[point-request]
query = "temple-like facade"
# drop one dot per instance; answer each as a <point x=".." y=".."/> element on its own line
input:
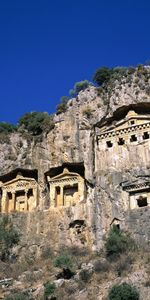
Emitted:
<point x="18" y="193"/>
<point x="138" y="193"/>
<point x="114" y="142"/>
<point x="66" y="189"/>
<point x="65" y="185"/>
<point x="134" y="127"/>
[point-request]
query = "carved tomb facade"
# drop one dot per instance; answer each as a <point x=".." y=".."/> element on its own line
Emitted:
<point x="138" y="193"/>
<point x="18" y="194"/>
<point x="124" y="144"/>
<point x="66" y="189"/>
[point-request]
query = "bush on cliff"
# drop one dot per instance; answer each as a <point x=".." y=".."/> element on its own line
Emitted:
<point x="8" y="237"/>
<point x="78" y="87"/>
<point x="49" y="289"/>
<point x="63" y="261"/>
<point x="102" y="75"/>
<point x="7" y="127"/>
<point x="62" y="106"/>
<point x="17" y="296"/>
<point x="117" y="243"/>
<point x="123" y="291"/>
<point x="36" y="122"/>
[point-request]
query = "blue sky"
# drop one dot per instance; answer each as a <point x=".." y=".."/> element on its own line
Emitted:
<point x="48" y="45"/>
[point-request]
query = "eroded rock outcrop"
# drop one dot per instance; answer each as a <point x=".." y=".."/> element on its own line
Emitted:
<point x="75" y="139"/>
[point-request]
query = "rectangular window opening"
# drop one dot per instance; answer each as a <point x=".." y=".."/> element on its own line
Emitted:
<point x="132" y="122"/>
<point x="109" y="144"/>
<point x="9" y="194"/>
<point x="133" y="138"/>
<point x="142" y="202"/>
<point x="30" y="193"/>
<point x="58" y="190"/>
<point x="145" y="136"/>
<point x="121" y="141"/>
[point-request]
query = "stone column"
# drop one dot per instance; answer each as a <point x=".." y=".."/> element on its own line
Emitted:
<point x="35" y="197"/>
<point x="62" y="196"/>
<point x="133" y="203"/>
<point x="26" y="201"/>
<point x="52" y="195"/>
<point x="81" y="189"/>
<point x="13" y="200"/>
<point x="148" y="198"/>
<point x="3" y="200"/>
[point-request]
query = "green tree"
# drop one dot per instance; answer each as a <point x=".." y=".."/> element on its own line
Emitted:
<point x="63" y="261"/>
<point x="36" y="122"/>
<point x="78" y="87"/>
<point x="102" y="75"/>
<point x="49" y="289"/>
<point x="123" y="291"/>
<point x="117" y="242"/>
<point x="7" y="127"/>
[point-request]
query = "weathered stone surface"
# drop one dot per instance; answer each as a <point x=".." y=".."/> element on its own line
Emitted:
<point x="109" y="172"/>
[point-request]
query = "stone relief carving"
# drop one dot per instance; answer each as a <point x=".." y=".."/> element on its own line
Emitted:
<point x="66" y="189"/>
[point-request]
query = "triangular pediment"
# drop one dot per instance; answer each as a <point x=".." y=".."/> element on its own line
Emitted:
<point x="17" y="179"/>
<point x="64" y="176"/>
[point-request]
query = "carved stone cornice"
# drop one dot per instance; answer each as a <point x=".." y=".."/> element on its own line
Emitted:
<point x="137" y="186"/>
<point x="123" y="131"/>
<point x="19" y="183"/>
<point x="64" y="180"/>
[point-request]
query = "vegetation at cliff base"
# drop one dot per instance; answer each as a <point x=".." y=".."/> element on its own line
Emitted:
<point x="8" y="237"/>
<point x="117" y="242"/>
<point x="17" y="296"/>
<point x="63" y="261"/>
<point x="123" y="291"/>
<point x="49" y="289"/>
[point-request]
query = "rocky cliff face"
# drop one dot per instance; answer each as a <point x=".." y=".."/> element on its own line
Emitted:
<point x="73" y="140"/>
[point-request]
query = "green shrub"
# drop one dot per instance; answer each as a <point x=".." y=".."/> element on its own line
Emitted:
<point x="8" y="237"/>
<point x="102" y="75"/>
<point x="7" y="127"/>
<point x="17" y="296"/>
<point x="49" y="289"/>
<point x="78" y="87"/>
<point x="119" y="72"/>
<point x="123" y="291"/>
<point x="36" y="122"/>
<point x="62" y="106"/>
<point x="63" y="261"/>
<point x="117" y="243"/>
